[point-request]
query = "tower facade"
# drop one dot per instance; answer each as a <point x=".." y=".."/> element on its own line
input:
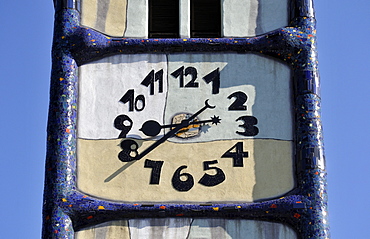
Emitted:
<point x="185" y="119"/>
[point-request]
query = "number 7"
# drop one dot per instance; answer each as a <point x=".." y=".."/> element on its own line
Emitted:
<point x="156" y="167"/>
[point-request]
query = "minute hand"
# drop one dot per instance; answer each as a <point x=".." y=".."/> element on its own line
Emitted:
<point x="183" y="124"/>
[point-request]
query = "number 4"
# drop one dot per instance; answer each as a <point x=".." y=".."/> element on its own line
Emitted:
<point x="237" y="156"/>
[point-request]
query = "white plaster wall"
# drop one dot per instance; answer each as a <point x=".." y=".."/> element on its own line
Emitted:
<point x="159" y="228"/>
<point x="184" y="18"/>
<point x="188" y="228"/>
<point x="265" y="81"/>
<point x="102" y="85"/>
<point x="239" y="229"/>
<point x="246" y="18"/>
<point x="137" y="19"/>
<point x="239" y="17"/>
<point x="272" y="14"/>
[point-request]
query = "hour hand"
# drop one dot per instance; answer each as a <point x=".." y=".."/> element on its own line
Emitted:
<point x="152" y="127"/>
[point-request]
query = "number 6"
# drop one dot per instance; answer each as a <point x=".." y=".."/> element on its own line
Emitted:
<point x="180" y="185"/>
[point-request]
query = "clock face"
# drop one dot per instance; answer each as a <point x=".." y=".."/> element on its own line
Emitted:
<point x="185" y="128"/>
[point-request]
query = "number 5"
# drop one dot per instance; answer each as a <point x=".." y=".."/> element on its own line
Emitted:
<point x="212" y="180"/>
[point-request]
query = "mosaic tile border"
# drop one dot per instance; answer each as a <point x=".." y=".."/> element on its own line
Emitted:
<point x="66" y="209"/>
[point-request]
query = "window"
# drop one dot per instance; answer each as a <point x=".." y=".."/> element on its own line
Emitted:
<point x="163" y="18"/>
<point x="205" y="18"/>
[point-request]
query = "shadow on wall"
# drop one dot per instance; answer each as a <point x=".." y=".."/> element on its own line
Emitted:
<point x="106" y="16"/>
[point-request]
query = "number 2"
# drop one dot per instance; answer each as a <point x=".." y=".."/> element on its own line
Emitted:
<point x="240" y="99"/>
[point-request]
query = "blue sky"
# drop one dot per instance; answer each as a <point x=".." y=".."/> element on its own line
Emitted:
<point x="25" y="43"/>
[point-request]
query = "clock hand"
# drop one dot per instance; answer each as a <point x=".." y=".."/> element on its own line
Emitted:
<point x="152" y="127"/>
<point x="145" y="152"/>
<point x="201" y="110"/>
<point x="121" y="169"/>
<point x="183" y="124"/>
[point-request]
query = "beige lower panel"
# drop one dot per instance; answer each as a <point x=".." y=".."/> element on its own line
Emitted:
<point x="113" y="23"/>
<point x="89" y="12"/>
<point x="116" y="19"/>
<point x="108" y="230"/>
<point x="267" y="172"/>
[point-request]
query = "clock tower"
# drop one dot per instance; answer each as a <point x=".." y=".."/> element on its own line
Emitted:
<point x="185" y="119"/>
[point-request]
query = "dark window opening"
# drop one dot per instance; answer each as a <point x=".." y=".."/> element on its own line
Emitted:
<point x="164" y="19"/>
<point x="205" y="18"/>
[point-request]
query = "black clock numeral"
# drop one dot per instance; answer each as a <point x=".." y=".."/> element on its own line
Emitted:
<point x="237" y="156"/>
<point x="249" y="126"/>
<point x="138" y="102"/>
<point x="183" y="182"/>
<point x="154" y="77"/>
<point x="213" y="77"/>
<point x="179" y="73"/>
<point x="194" y="74"/>
<point x="129" y="150"/>
<point x="178" y="183"/>
<point x="123" y="123"/>
<point x="240" y="99"/>
<point x="212" y="180"/>
<point x="156" y="167"/>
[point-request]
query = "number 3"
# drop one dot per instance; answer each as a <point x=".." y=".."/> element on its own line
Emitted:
<point x="249" y="128"/>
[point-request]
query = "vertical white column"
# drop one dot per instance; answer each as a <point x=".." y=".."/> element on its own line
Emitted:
<point x="239" y="18"/>
<point x="184" y="18"/>
<point x="137" y="19"/>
